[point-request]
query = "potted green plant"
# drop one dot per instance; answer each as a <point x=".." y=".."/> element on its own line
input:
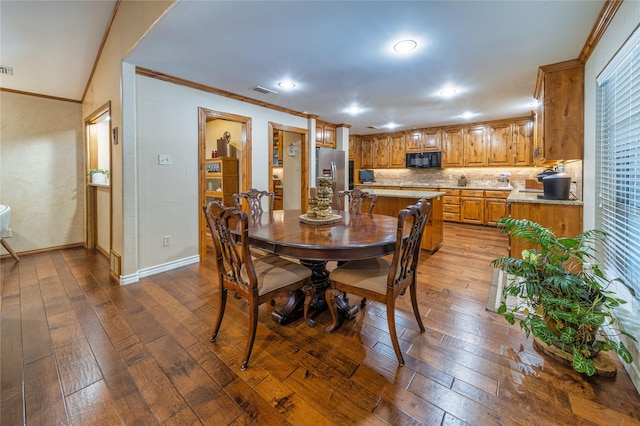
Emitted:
<point x="562" y="296"/>
<point x="98" y="175"/>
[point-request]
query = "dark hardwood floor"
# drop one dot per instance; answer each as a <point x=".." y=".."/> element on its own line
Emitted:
<point x="76" y="348"/>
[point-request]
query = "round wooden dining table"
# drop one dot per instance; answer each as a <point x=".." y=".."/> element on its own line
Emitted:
<point x="356" y="236"/>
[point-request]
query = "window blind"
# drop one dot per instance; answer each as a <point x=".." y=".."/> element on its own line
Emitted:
<point x="619" y="163"/>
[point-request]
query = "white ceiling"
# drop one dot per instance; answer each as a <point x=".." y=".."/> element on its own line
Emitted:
<point x="338" y="52"/>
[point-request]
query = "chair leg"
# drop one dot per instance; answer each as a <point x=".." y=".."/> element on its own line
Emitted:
<point x="10" y="250"/>
<point x="309" y="292"/>
<point x="414" y="303"/>
<point x="253" y="325"/>
<point x="329" y="297"/>
<point x="391" y="321"/>
<point x="221" y="306"/>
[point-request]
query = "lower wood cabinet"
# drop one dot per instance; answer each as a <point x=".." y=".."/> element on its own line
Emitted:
<point x="451" y="205"/>
<point x="495" y="206"/>
<point x="472" y="206"/>
<point x="564" y="220"/>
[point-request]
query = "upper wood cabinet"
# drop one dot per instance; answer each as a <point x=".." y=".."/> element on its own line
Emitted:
<point x="381" y="152"/>
<point x="366" y="152"/>
<point x="452" y="148"/>
<point x="325" y="135"/>
<point x="500" y="144"/>
<point x="510" y="143"/>
<point x="560" y="116"/>
<point x="522" y="143"/>
<point x="397" y="151"/>
<point x="354" y="147"/>
<point x="423" y="140"/>
<point x="475" y="146"/>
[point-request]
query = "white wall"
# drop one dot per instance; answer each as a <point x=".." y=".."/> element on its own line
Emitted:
<point x="166" y="121"/>
<point x="622" y="26"/>
<point x="624" y="22"/>
<point x="41" y="171"/>
<point x="292" y="174"/>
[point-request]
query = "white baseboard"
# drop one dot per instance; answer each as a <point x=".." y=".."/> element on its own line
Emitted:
<point x="134" y="278"/>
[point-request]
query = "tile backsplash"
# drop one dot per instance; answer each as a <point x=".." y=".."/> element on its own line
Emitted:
<point x="480" y="176"/>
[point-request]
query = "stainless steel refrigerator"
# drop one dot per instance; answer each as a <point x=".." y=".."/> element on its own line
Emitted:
<point x="331" y="162"/>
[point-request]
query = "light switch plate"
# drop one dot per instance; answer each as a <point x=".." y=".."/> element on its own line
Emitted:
<point x="164" y="159"/>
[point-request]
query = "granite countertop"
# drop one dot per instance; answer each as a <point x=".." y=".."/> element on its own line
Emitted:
<point x="404" y="193"/>
<point x="516" y="195"/>
<point x="530" y="196"/>
<point x="430" y="187"/>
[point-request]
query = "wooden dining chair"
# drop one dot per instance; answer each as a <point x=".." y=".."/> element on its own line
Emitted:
<point x="355" y="199"/>
<point x="381" y="279"/>
<point x="254" y="280"/>
<point x="254" y="199"/>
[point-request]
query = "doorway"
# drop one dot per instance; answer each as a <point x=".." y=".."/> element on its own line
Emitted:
<point x="288" y="166"/>
<point x="98" y="133"/>
<point x="233" y="133"/>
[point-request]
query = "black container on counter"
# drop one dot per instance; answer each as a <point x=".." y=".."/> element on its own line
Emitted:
<point x="557" y="186"/>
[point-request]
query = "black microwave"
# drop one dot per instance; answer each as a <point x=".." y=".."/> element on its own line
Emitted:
<point x="423" y="160"/>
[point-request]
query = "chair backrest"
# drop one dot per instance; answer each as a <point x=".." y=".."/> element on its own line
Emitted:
<point x="355" y="199"/>
<point x="405" y="258"/>
<point x="254" y="198"/>
<point x="232" y="257"/>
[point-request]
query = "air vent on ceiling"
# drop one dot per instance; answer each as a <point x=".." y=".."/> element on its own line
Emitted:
<point x="373" y="127"/>
<point x="263" y="90"/>
<point x="6" y="70"/>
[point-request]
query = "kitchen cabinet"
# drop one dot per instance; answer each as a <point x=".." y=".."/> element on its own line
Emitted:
<point x="472" y="206"/>
<point x="380" y="152"/>
<point x="366" y="152"/>
<point x="500" y="143"/>
<point x="522" y="142"/>
<point x="509" y="143"/>
<point x="495" y="206"/>
<point x="397" y="156"/>
<point x="451" y="205"/>
<point x="221" y="179"/>
<point x="354" y="147"/>
<point x="564" y="220"/>
<point x="475" y="146"/>
<point x="423" y="140"/>
<point x="560" y="116"/>
<point x="325" y="135"/>
<point x="452" y="147"/>
<point x="464" y="146"/>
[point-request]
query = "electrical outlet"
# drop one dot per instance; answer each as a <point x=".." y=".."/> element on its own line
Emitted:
<point x="164" y="159"/>
<point x="166" y="240"/>
<point x="8" y="233"/>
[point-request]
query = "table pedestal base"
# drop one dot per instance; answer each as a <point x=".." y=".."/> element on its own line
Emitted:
<point x="310" y="301"/>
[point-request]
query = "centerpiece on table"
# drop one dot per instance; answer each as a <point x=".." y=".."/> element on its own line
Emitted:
<point x="319" y="211"/>
<point x="562" y="298"/>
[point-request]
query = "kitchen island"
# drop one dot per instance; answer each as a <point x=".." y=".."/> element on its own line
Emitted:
<point x="391" y="201"/>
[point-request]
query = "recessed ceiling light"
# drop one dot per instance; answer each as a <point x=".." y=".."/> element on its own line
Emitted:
<point x="404" y="46"/>
<point x="534" y="103"/>
<point x="391" y="125"/>
<point x="354" y="110"/>
<point x="467" y="114"/>
<point x="448" y="92"/>
<point x="287" y="84"/>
